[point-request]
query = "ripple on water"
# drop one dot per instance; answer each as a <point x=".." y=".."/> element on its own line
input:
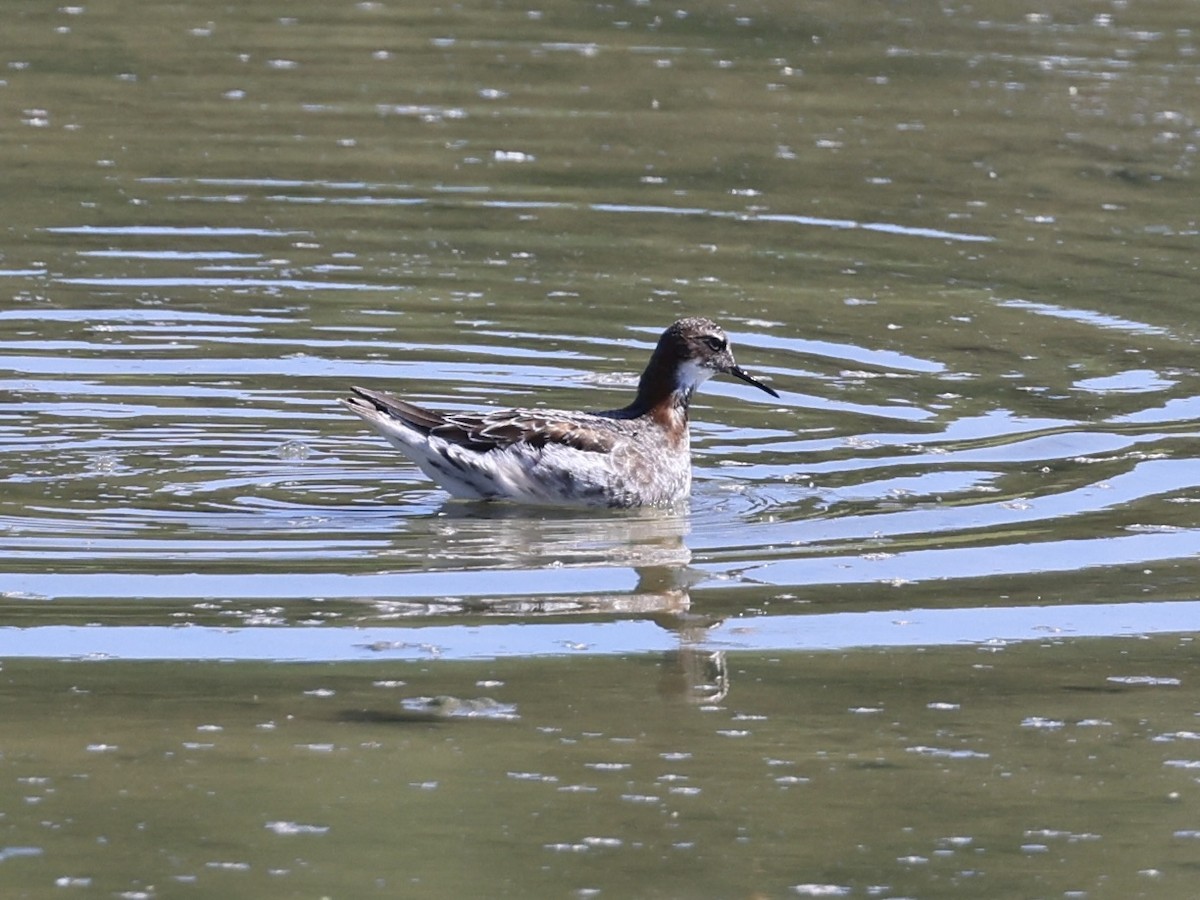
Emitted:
<point x="219" y="446"/>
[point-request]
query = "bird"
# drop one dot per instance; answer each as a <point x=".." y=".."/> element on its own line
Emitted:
<point x="635" y="456"/>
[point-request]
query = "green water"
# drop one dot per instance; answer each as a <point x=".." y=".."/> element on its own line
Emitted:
<point x="926" y="629"/>
<point x="1031" y="770"/>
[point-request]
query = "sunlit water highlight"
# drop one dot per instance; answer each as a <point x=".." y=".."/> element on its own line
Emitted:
<point x="483" y="640"/>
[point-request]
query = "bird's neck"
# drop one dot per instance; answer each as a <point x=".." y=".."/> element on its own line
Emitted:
<point x="666" y="388"/>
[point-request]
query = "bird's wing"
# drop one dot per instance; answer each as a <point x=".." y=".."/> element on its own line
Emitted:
<point x="500" y="429"/>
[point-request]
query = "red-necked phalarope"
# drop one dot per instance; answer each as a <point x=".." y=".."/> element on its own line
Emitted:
<point x="635" y="456"/>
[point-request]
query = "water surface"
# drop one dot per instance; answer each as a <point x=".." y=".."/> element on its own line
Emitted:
<point x="926" y="628"/>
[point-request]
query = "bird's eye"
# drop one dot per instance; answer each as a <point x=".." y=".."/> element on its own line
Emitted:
<point x="714" y="343"/>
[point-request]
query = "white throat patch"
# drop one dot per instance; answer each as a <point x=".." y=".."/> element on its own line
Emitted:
<point x="691" y="375"/>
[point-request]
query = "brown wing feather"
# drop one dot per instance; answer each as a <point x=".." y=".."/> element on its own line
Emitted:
<point x="420" y="418"/>
<point x="489" y="431"/>
<point x="503" y="429"/>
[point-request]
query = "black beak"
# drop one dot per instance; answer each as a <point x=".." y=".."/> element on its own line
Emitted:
<point x="738" y="372"/>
